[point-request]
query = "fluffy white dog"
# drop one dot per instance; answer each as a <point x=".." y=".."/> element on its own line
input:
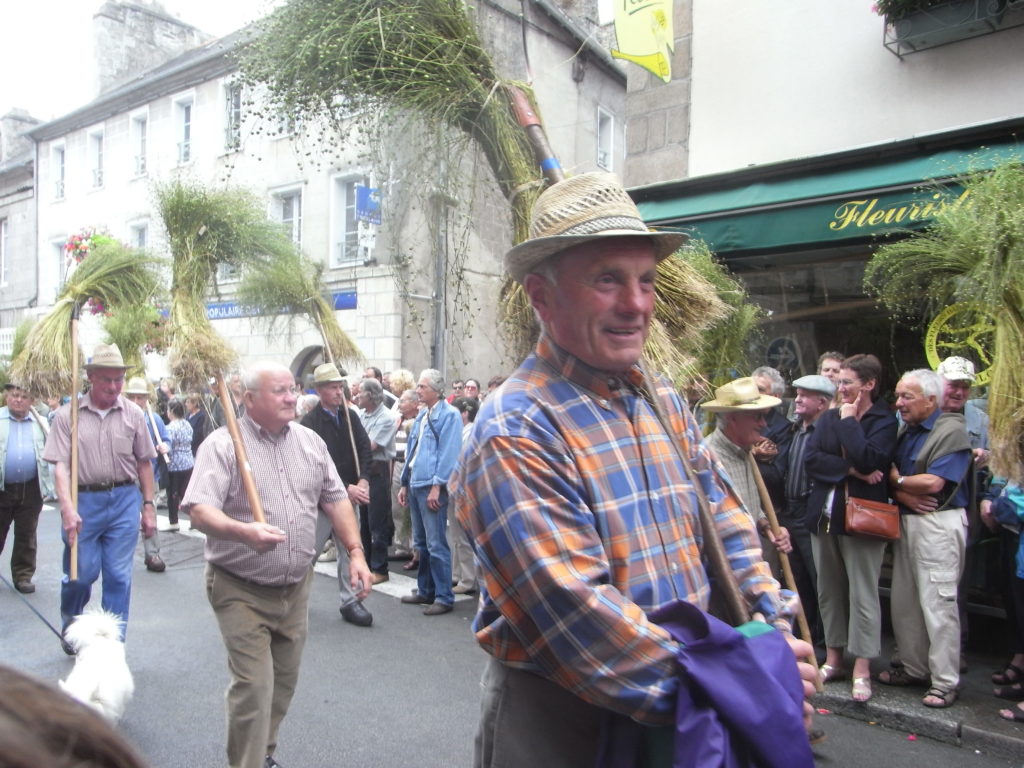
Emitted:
<point x="101" y="677"/>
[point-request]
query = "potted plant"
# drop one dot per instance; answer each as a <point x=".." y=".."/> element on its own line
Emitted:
<point x="919" y="24"/>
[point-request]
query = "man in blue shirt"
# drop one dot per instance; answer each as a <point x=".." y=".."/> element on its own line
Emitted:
<point x="24" y="481"/>
<point x="435" y="440"/>
<point x="928" y="481"/>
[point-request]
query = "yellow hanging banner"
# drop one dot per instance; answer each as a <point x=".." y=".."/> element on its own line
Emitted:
<point x="643" y="31"/>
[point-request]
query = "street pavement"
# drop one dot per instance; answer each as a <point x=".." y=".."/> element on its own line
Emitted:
<point x="404" y="692"/>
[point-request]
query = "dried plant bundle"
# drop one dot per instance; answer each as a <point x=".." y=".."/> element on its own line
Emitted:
<point x="973" y="252"/>
<point x="289" y="286"/>
<point x="113" y="276"/>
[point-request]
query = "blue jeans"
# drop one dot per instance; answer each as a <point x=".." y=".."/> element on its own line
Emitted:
<point x="106" y="545"/>
<point x="430" y="537"/>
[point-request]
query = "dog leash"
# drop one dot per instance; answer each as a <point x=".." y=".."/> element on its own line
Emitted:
<point x="32" y="607"/>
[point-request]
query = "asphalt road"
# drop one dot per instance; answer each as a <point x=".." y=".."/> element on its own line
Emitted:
<point x="403" y="692"/>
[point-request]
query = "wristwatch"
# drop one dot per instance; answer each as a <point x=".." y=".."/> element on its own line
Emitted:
<point x="900" y="479"/>
<point x="148" y="501"/>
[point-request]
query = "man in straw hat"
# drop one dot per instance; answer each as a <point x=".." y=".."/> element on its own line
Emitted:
<point x="114" y="461"/>
<point x="25" y="480"/>
<point x="578" y="506"/>
<point x="349" y="447"/>
<point x="742" y="412"/>
<point x="259" y="574"/>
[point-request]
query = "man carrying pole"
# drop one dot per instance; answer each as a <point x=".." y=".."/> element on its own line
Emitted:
<point x="114" y="462"/>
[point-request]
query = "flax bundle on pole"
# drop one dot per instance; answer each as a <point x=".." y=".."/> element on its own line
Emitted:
<point x="207" y="228"/>
<point x="973" y="252"/>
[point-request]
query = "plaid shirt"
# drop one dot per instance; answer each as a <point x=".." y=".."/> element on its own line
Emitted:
<point x="583" y="522"/>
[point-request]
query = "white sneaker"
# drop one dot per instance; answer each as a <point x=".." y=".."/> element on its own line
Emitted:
<point x="329" y="555"/>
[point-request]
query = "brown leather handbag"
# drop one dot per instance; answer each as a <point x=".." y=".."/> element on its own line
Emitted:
<point x="873" y="519"/>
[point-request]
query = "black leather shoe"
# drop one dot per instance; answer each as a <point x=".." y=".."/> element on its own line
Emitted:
<point x="416" y="599"/>
<point x="356" y="613"/>
<point x="437" y="609"/>
<point x="25" y="587"/>
<point x="155" y="564"/>
<point x="271" y="763"/>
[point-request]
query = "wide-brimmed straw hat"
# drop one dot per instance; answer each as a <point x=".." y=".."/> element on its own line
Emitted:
<point x="327" y="373"/>
<point x="591" y="206"/>
<point x="137" y="386"/>
<point x="740" y="395"/>
<point x="106" y="356"/>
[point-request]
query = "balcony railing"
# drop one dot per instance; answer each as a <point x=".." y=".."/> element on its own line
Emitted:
<point x="184" y="151"/>
<point x="950" y="22"/>
<point x="140" y="165"/>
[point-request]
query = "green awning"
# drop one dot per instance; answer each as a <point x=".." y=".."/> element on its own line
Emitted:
<point x="829" y="207"/>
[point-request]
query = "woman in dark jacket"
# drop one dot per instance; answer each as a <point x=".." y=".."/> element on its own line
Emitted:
<point x="851" y="446"/>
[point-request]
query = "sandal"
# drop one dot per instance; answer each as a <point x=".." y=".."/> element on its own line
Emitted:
<point x="1013" y="692"/>
<point x="829" y="673"/>
<point x="861" y="689"/>
<point x="1016" y="714"/>
<point x="941" y="699"/>
<point x="1009" y="676"/>
<point x="900" y="678"/>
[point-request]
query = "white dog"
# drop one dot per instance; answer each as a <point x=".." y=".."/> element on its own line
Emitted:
<point x="101" y="677"/>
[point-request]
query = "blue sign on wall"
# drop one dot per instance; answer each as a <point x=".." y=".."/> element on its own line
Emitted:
<point x="368" y="204"/>
<point x="229" y="310"/>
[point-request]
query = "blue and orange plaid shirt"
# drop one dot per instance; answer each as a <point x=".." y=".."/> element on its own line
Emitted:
<point x="583" y="522"/>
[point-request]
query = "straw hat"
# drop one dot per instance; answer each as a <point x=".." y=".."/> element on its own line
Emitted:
<point x="740" y="395"/>
<point x="137" y="386"/>
<point x="327" y="373"/>
<point x="106" y="356"/>
<point x="591" y="206"/>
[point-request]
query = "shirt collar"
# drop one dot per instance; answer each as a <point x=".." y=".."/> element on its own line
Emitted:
<point x="601" y="383"/>
<point x="85" y="401"/>
<point x="927" y="424"/>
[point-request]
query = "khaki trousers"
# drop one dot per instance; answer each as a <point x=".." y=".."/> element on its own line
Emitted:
<point x="848" y="571"/>
<point x="927" y="563"/>
<point x="264" y="631"/>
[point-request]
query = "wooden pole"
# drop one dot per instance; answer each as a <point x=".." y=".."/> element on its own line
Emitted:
<point x="529" y="121"/>
<point x="241" y="457"/>
<point x="787" y="570"/>
<point x="73" y="568"/>
<point x="43" y="423"/>
<point x="156" y="432"/>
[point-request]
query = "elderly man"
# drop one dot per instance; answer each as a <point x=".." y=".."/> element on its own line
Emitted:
<point x="573" y="491"/>
<point x="258" y="574"/>
<point x="435" y="439"/>
<point x="114" y="459"/>
<point x="958" y="376"/>
<point x="24" y="482"/>
<point x="814" y="394"/>
<point x="380" y="424"/>
<point x="742" y="413"/>
<point x="929" y="481"/>
<point x="339" y="426"/>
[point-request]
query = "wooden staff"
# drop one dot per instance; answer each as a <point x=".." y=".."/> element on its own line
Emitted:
<point x="156" y="432"/>
<point x="43" y="423"/>
<point x="73" y="569"/>
<point x="787" y="570"/>
<point x="241" y="457"/>
<point x="529" y="121"/>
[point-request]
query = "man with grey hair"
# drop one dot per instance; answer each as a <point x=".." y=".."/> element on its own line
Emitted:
<point x="376" y="525"/>
<point x="774" y="433"/>
<point x="435" y="440"/>
<point x="259" y="574"/>
<point x="928" y="481"/>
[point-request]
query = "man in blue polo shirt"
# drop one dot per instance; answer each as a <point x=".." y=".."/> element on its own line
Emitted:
<point x="928" y="481"/>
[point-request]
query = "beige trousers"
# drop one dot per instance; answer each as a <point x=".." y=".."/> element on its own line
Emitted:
<point x="848" y="571"/>
<point x="264" y="631"/>
<point x="927" y="563"/>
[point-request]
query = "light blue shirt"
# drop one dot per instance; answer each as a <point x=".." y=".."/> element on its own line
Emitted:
<point x="20" y="462"/>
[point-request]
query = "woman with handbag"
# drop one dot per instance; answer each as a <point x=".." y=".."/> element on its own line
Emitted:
<point x="848" y="453"/>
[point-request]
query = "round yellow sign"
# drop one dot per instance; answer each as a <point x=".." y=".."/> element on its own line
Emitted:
<point x="966" y="330"/>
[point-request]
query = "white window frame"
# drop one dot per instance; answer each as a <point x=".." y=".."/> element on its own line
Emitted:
<point x="279" y="211"/>
<point x="346" y="249"/>
<point x="62" y="268"/>
<point x="605" y="139"/>
<point x="5" y="255"/>
<point x="228" y="273"/>
<point x="94" y="146"/>
<point x="139" y="136"/>
<point x="232" y="117"/>
<point x="184" y="118"/>
<point x="58" y="158"/>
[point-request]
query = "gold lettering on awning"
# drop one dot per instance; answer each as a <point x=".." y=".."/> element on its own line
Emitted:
<point x="868" y="213"/>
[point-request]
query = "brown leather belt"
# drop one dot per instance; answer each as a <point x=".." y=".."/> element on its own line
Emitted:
<point x="100" y="487"/>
